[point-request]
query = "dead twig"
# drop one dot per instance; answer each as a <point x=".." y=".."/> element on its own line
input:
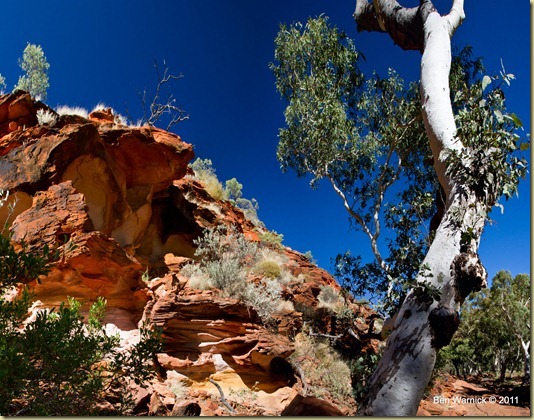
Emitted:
<point x="223" y="398"/>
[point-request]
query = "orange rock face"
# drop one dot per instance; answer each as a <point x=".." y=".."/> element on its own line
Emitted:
<point x="114" y="202"/>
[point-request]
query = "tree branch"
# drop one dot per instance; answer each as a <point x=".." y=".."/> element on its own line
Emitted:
<point x="372" y="237"/>
<point x="158" y="108"/>
<point x="223" y="398"/>
<point x="403" y="24"/>
<point x="455" y="16"/>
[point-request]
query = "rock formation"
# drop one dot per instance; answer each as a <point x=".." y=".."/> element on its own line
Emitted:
<point x="115" y="202"/>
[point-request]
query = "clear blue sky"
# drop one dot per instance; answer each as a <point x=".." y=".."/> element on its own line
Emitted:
<point x="104" y="51"/>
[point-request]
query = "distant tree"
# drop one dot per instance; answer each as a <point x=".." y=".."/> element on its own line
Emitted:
<point x="474" y="149"/>
<point x="2" y="84"/>
<point x="35" y="67"/>
<point x="495" y="332"/>
<point x="234" y="189"/>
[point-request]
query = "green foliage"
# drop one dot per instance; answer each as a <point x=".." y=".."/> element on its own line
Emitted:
<point x="60" y="361"/>
<point x="2" y="84"/>
<point x="366" y="137"/>
<point x="272" y="239"/>
<point x="495" y="322"/>
<point x="35" y="67"/>
<point x="491" y="164"/>
<point x="309" y="256"/>
<point x="336" y="130"/>
<point x="57" y="364"/>
<point x="226" y="260"/>
<point x="361" y="368"/>
<point x="232" y="191"/>
<point x="20" y="267"/>
<point x="268" y="268"/>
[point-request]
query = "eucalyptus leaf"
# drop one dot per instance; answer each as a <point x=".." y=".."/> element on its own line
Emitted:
<point x="486" y="80"/>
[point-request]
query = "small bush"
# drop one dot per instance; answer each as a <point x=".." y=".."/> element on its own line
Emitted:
<point x="197" y="279"/>
<point x="271" y="238"/>
<point x="58" y="365"/>
<point x="308" y="255"/>
<point x="214" y="187"/>
<point x="264" y="298"/>
<point x="362" y="367"/>
<point x="227" y="258"/>
<point x="285" y="305"/>
<point x="268" y="268"/>
<point x="2" y="84"/>
<point x="324" y="370"/>
<point x="330" y="298"/>
<point x="46" y="117"/>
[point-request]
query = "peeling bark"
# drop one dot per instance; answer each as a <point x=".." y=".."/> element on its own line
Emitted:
<point x="425" y="325"/>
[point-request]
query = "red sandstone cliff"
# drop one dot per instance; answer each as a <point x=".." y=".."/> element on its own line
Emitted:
<point x="114" y="201"/>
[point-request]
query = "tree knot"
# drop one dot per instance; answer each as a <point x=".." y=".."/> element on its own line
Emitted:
<point x="443" y="324"/>
<point x="468" y="273"/>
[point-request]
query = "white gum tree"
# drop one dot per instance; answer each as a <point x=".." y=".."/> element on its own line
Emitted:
<point x="451" y="265"/>
<point x="362" y="135"/>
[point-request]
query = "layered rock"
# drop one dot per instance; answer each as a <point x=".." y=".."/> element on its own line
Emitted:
<point x="114" y="202"/>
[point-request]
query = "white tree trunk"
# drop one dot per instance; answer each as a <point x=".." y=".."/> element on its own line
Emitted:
<point x="526" y="354"/>
<point x="424" y="324"/>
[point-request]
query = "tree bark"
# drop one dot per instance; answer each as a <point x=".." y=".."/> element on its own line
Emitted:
<point x="426" y="321"/>
<point x="526" y="356"/>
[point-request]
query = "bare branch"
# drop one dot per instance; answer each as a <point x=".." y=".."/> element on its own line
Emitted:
<point x="159" y="107"/>
<point x="223" y="398"/>
<point x="455" y="16"/>
<point x="361" y="222"/>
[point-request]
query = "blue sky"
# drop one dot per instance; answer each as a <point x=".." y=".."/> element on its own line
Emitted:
<point x="103" y="51"/>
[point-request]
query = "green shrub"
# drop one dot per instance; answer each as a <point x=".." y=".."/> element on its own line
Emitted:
<point x="226" y="259"/>
<point x="268" y="268"/>
<point x="271" y="238"/>
<point x="362" y="367"/>
<point x="326" y="374"/>
<point x="57" y="364"/>
<point x="330" y="298"/>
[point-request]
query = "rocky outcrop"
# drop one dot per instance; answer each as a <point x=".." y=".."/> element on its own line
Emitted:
<point x="116" y="205"/>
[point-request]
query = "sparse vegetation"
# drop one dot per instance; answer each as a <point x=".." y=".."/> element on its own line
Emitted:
<point x="46" y="117"/>
<point x="326" y="373"/>
<point x="272" y="238"/>
<point x="69" y="110"/>
<point x="330" y="298"/>
<point x="226" y="261"/>
<point x="268" y="268"/>
<point x="232" y="191"/>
